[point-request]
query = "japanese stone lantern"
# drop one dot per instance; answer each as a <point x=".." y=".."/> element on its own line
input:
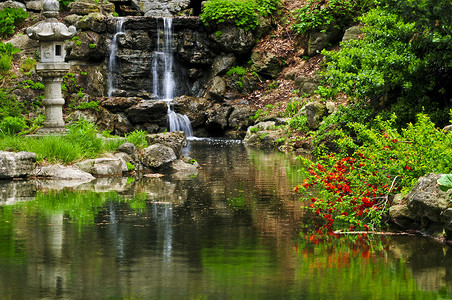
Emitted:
<point x="51" y="35"/>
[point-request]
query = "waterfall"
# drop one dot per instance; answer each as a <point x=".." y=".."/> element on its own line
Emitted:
<point x="112" y="60"/>
<point x="163" y="84"/>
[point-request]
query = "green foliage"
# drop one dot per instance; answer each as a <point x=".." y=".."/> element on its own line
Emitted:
<point x="12" y="125"/>
<point x="274" y="85"/>
<point x="254" y="129"/>
<point x="293" y="108"/>
<point x="92" y="46"/>
<point x="326" y="92"/>
<point x="28" y="64"/>
<point x="354" y="186"/>
<point x="130" y="167"/>
<point x="9" y="106"/>
<point x="137" y="137"/>
<point x="30" y="84"/>
<point x="321" y="14"/>
<point x="299" y="122"/>
<point x="238" y="70"/>
<point x="88" y="105"/>
<point x="241" y="12"/>
<point x="404" y="62"/>
<point x="9" y="19"/>
<point x="267" y="7"/>
<point x="6" y="55"/>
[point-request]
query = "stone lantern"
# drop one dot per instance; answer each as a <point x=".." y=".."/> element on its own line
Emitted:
<point x="51" y="35"/>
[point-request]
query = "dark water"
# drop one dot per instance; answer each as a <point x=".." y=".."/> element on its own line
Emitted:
<point x="232" y="232"/>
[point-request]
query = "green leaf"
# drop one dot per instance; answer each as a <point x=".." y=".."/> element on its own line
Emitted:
<point x="445" y="182"/>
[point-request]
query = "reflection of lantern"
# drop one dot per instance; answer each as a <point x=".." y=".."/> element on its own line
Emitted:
<point x="51" y="35"/>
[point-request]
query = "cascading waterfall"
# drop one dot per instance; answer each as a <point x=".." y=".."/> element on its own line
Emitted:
<point x="163" y="84"/>
<point x="112" y="60"/>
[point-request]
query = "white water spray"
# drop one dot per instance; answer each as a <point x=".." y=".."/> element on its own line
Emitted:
<point x="163" y="87"/>
<point x="112" y="60"/>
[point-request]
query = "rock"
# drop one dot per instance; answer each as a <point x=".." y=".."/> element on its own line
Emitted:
<point x="217" y="89"/>
<point x="34" y="5"/>
<point x="319" y="40"/>
<point x="217" y="118"/>
<point x="315" y="111"/>
<point x="233" y="39"/>
<point x="157" y="155"/>
<point x="239" y="119"/>
<point x="118" y="104"/>
<point x="180" y="169"/>
<point x="104" y="166"/>
<point x="174" y="140"/>
<point x="307" y="85"/>
<point x="84" y="7"/>
<point x="194" y="108"/>
<point x="331" y="107"/>
<point x="352" y="33"/>
<point x="58" y="171"/>
<point x="254" y="133"/>
<point x="222" y="64"/>
<point x="160" y="8"/>
<point x="147" y="111"/>
<point x="24" y="43"/>
<point x="96" y="22"/>
<point x="266" y="64"/>
<point x="90" y="46"/>
<point x="20" y="164"/>
<point x="128" y="148"/>
<point x="12" y="4"/>
<point x="426" y="200"/>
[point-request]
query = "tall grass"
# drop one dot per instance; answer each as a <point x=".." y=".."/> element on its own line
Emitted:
<point x="81" y="142"/>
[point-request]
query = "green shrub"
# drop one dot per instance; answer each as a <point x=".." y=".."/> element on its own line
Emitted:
<point x="403" y="63"/>
<point x="241" y="12"/>
<point x="299" y="122"/>
<point x="267" y="7"/>
<point x="9" y="106"/>
<point x="352" y="189"/>
<point x="12" y="125"/>
<point x="6" y="55"/>
<point x="137" y="137"/>
<point x="320" y="14"/>
<point x="9" y="18"/>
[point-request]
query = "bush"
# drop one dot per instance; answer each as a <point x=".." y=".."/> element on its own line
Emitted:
<point x="320" y="14"/>
<point x="404" y="62"/>
<point x="9" y="18"/>
<point x="353" y="190"/>
<point x="6" y="55"/>
<point x="137" y="137"/>
<point x="242" y="12"/>
<point x="12" y="125"/>
<point x="9" y="106"/>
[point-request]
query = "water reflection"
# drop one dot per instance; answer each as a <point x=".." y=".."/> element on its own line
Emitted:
<point x="230" y="232"/>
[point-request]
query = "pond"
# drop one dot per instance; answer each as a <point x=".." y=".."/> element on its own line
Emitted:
<point x="236" y="230"/>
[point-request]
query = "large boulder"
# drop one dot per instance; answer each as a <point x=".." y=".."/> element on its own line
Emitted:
<point x="217" y="118"/>
<point x="180" y="169"/>
<point x="20" y="164"/>
<point x="233" y="39"/>
<point x="58" y="171"/>
<point x="157" y="155"/>
<point x="426" y="200"/>
<point x="217" y="89"/>
<point x="104" y="166"/>
<point x="315" y="111"/>
<point x="352" y="33"/>
<point x="223" y="63"/>
<point x="89" y="46"/>
<point x="319" y="40"/>
<point x="148" y="111"/>
<point x="267" y="64"/>
<point x="118" y="104"/>
<point x="307" y="85"/>
<point x="175" y="140"/>
<point x="239" y="119"/>
<point x="194" y="108"/>
<point x="95" y="21"/>
<point x="12" y="4"/>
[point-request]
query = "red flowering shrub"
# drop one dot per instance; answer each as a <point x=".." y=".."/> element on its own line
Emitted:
<point x="353" y="191"/>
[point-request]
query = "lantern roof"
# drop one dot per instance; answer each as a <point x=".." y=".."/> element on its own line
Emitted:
<point x="50" y="29"/>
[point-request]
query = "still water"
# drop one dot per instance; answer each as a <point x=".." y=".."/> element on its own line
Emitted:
<point x="231" y="232"/>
